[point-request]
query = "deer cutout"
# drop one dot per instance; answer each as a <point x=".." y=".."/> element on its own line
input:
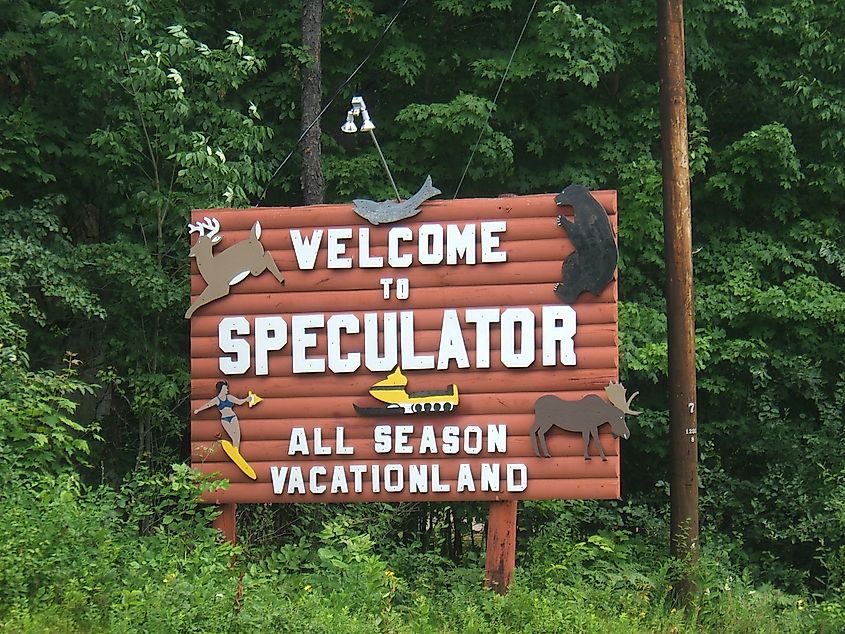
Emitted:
<point x="223" y="270"/>
<point x="584" y="416"/>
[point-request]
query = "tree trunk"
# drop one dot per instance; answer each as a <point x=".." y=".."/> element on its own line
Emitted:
<point x="313" y="185"/>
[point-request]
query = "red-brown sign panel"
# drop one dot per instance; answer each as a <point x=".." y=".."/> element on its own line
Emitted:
<point x="335" y="360"/>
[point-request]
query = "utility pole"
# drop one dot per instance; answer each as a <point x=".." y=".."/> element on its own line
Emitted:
<point x="677" y="227"/>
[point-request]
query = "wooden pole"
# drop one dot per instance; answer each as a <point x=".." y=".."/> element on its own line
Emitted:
<point x="501" y="545"/>
<point x="677" y="223"/>
<point x="225" y="522"/>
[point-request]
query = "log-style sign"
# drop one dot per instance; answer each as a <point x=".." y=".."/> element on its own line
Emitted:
<point x="402" y="361"/>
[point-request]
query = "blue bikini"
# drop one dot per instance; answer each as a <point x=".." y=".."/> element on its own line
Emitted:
<point x="221" y="405"/>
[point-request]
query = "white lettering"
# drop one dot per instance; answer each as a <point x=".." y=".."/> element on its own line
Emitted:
<point x="558" y="331"/>
<point x="315" y="486"/>
<point x="336" y="248"/>
<point x="337" y="362"/>
<point x="436" y="485"/>
<point x="417" y="478"/>
<point x="512" y="471"/>
<point x="482" y="318"/>
<point x="382" y="439"/>
<point x="296" y="483"/>
<point x="279" y="475"/>
<point x="452" y="344"/>
<point x="451" y="439"/>
<point x="490" y="478"/>
<point x="490" y="241"/>
<point x="410" y="361"/>
<point x="319" y="448"/>
<point x="460" y="243"/>
<point x="401" y="433"/>
<point x="472" y="439"/>
<point x="302" y="340"/>
<point x="431" y="244"/>
<point x="394" y="258"/>
<point x="339" y="484"/>
<point x="393" y="478"/>
<point x="240" y="347"/>
<point x="510" y="357"/>
<point x="340" y="448"/>
<point x="265" y="341"/>
<point x="465" y="481"/>
<point x="365" y="260"/>
<point x="298" y="442"/>
<point x="306" y="248"/>
<point x="373" y="361"/>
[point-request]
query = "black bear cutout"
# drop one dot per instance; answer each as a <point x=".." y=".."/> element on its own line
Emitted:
<point x="592" y="265"/>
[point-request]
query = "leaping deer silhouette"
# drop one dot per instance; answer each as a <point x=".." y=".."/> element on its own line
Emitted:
<point x="223" y="270"/>
<point x="584" y="416"/>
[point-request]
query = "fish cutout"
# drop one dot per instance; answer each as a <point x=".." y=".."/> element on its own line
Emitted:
<point x="391" y="211"/>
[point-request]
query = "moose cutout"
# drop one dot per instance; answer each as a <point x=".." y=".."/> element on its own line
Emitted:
<point x="584" y="416"/>
<point x="223" y="270"/>
<point x="592" y="265"/>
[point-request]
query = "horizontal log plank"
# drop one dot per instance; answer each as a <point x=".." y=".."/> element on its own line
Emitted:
<point x="466" y="209"/>
<point x="566" y="467"/>
<point x="483" y="404"/>
<point x="316" y="301"/>
<point x="266" y="429"/>
<point x="354" y="387"/>
<point x="586" y="314"/>
<point x="450" y="278"/>
<point x="561" y="445"/>
<point x="280" y="366"/>
<point x="586" y="489"/>
<point x="586" y="336"/>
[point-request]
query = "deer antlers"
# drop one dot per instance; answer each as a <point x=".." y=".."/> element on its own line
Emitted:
<point x="210" y="224"/>
<point x="616" y="395"/>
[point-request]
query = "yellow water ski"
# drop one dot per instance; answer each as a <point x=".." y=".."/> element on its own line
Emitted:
<point x="254" y="399"/>
<point x="238" y="459"/>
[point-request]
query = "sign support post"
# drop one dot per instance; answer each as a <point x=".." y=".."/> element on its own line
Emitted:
<point x="225" y="522"/>
<point x="677" y="222"/>
<point x="501" y="545"/>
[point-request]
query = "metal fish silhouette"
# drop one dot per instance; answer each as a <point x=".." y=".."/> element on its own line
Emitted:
<point x="391" y="211"/>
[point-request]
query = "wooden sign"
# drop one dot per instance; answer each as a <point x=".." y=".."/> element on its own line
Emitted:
<point x="335" y="360"/>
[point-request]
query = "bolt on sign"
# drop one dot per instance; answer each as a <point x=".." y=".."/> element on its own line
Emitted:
<point x="459" y="350"/>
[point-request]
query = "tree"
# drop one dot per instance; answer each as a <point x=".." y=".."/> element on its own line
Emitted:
<point x="313" y="185"/>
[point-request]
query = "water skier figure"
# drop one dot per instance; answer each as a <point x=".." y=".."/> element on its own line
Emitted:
<point x="225" y="402"/>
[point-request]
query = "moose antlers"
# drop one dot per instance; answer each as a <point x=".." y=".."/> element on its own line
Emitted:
<point x="616" y="395"/>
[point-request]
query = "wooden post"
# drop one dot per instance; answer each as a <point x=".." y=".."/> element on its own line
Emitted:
<point x="501" y="545"/>
<point x="677" y="224"/>
<point x="225" y="522"/>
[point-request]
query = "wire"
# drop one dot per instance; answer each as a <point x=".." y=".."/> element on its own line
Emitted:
<point x="498" y="90"/>
<point x="331" y="101"/>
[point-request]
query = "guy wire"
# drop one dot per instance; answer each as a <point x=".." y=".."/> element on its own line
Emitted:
<point x="501" y="83"/>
